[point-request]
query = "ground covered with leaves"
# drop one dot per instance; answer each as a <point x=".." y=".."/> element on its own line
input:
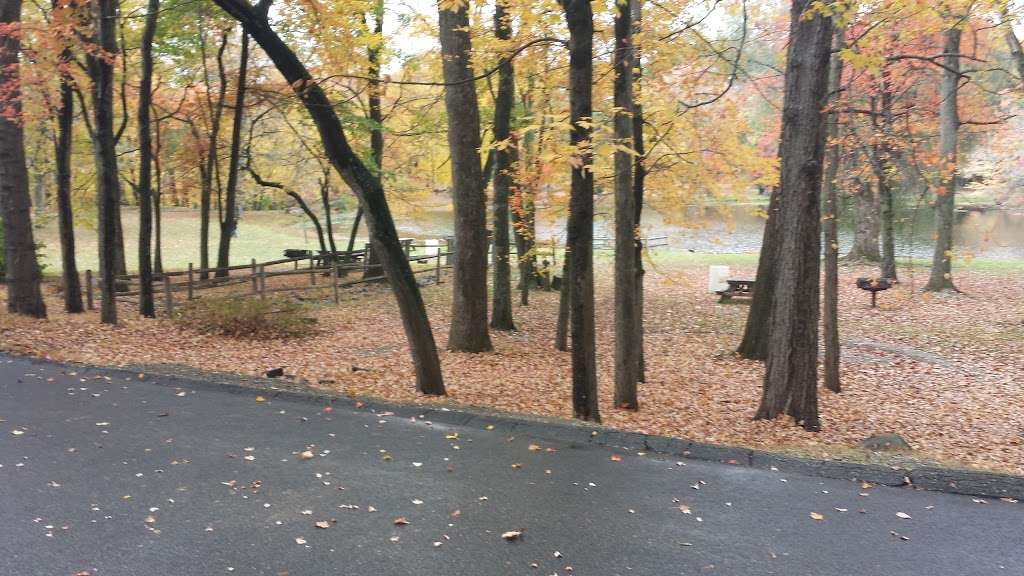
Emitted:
<point x="944" y="371"/>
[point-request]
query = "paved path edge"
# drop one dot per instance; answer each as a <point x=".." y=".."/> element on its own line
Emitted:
<point x="935" y="478"/>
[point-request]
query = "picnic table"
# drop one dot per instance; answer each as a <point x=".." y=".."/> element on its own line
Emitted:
<point x="738" y="288"/>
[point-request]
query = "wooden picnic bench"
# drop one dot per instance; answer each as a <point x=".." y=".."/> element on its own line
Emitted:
<point x="737" y="289"/>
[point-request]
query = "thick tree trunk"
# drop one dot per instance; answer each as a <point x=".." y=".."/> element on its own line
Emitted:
<point x="564" y="299"/>
<point x="229" y="217"/>
<point x="639" y="174"/>
<point x="791" y="369"/>
<point x="501" y="311"/>
<point x="866" y="225"/>
<point x="627" y="360"/>
<point x="145" y="187"/>
<point x="468" y="331"/>
<point x="941" y="278"/>
<point x="108" y="191"/>
<point x="363" y="182"/>
<point x="579" y="18"/>
<point x="831" y="218"/>
<point x="23" y="291"/>
<point x="65" y="217"/>
<point x="754" y="345"/>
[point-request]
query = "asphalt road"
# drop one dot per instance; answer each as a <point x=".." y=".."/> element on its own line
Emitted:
<point x="106" y="475"/>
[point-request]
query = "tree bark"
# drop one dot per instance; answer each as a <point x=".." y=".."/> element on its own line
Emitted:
<point x="372" y="268"/>
<point x="229" y="217"/>
<point x="158" y="254"/>
<point x="24" y="295"/>
<point x="363" y="182"/>
<point x="754" y="345"/>
<point x="468" y="331"/>
<point x="791" y="369"/>
<point x="501" y="311"/>
<point x="108" y="191"/>
<point x="886" y="182"/>
<point x="1013" y="44"/>
<point x="627" y="361"/>
<point x="65" y="217"/>
<point x="831" y="218"/>
<point x="941" y="278"/>
<point x="579" y="243"/>
<point x="211" y="161"/>
<point x="866" y="226"/>
<point x="145" y="187"/>
<point x="639" y="175"/>
<point x="564" y="298"/>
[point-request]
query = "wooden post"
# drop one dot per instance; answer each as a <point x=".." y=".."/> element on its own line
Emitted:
<point x="449" y="243"/>
<point x="255" y="286"/>
<point x="366" y="258"/>
<point x="312" y="270"/>
<point x="168" y="298"/>
<point x="262" y="282"/>
<point x="191" y="286"/>
<point x="88" y="290"/>
<point x="438" y="266"/>
<point x="334" y="281"/>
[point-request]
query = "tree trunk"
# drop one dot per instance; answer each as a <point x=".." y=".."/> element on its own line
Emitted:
<point x="108" y="190"/>
<point x="866" y="225"/>
<point x="1013" y="44"/>
<point x="831" y="218"/>
<point x="791" y="369"/>
<point x="627" y="361"/>
<point x="468" y="331"/>
<point x="158" y="257"/>
<point x="145" y="187"/>
<point x="941" y="278"/>
<point x="24" y="295"/>
<point x="229" y="218"/>
<point x="754" y="345"/>
<point x="579" y="243"/>
<point x="65" y="217"/>
<point x="372" y="268"/>
<point x="363" y="182"/>
<point x="298" y="200"/>
<point x="564" y="297"/>
<point x="887" y="184"/>
<point x="639" y="174"/>
<point x="501" y="312"/>
<point x="325" y="199"/>
<point x="211" y="161"/>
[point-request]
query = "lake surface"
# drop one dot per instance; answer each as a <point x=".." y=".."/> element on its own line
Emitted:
<point x="732" y="228"/>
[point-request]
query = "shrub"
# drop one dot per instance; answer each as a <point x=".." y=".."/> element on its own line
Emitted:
<point x="239" y="317"/>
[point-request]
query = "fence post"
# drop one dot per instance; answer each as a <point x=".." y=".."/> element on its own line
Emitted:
<point x="312" y="270"/>
<point x="88" y="290"/>
<point x="449" y="243"/>
<point x="263" y="282"/>
<point x="168" y="298"/>
<point x="191" y="280"/>
<point x="255" y="286"/>
<point x="438" y="266"/>
<point x="334" y="280"/>
<point x="366" y="257"/>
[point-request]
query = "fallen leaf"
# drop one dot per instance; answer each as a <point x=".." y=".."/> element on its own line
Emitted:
<point x="323" y="525"/>
<point x="903" y="515"/>
<point x="401" y="521"/>
<point x="306" y="455"/>
<point x="816" y="516"/>
<point x="262" y="399"/>
<point x="512" y="535"/>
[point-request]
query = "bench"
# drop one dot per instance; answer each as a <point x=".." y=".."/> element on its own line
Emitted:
<point x="737" y="289"/>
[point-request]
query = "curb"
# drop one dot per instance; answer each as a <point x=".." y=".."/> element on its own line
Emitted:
<point x="932" y="478"/>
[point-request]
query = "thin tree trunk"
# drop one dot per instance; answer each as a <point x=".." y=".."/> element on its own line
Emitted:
<point x="212" y="162"/>
<point x="627" y="361"/>
<point x="831" y="218"/>
<point x="298" y="200"/>
<point x="791" y="369"/>
<point x="325" y="199"/>
<point x="24" y="295"/>
<point x="501" y="312"/>
<point x="941" y="278"/>
<point x="363" y="182"/>
<point x="65" y="217"/>
<point x="229" y="217"/>
<point x="158" y="258"/>
<point x="107" y="183"/>
<point x="372" y="268"/>
<point x="579" y="18"/>
<point x="145" y="187"/>
<point x="639" y="174"/>
<point x="468" y="331"/>
<point x="886" y="183"/>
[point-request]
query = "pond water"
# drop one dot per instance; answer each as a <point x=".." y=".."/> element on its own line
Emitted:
<point x="732" y="228"/>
